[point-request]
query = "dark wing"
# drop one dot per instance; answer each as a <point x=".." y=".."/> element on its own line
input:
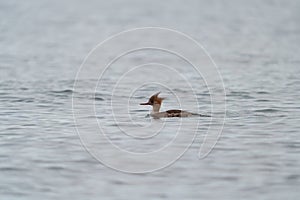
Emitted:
<point x="181" y="113"/>
<point x="173" y="111"/>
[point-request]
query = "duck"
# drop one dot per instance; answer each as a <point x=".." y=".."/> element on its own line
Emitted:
<point x="155" y="101"/>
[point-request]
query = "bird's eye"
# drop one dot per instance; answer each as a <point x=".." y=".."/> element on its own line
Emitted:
<point x="151" y="100"/>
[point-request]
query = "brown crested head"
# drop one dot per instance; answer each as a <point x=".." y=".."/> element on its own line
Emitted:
<point x="154" y="99"/>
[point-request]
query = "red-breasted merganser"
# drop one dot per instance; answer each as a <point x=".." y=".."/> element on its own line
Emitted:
<point x="156" y="101"/>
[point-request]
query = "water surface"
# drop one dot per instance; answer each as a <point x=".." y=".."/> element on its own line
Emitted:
<point x="254" y="43"/>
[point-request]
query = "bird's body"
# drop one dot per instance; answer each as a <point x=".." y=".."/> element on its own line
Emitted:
<point x="156" y="102"/>
<point x="173" y="113"/>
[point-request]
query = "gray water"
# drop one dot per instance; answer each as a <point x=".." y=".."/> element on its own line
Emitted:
<point x="256" y="47"/>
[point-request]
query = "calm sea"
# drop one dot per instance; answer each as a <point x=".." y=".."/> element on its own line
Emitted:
<point x="256" y="46"/>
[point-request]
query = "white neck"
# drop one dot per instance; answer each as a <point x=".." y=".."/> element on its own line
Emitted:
<point x="155" y="108"/>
